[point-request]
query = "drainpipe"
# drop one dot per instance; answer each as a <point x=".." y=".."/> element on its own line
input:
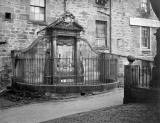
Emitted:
<point x="64" y="3"/>
<point x="110" y="5"/>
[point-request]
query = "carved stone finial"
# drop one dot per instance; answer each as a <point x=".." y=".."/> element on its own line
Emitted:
<point x="130" y="59"/>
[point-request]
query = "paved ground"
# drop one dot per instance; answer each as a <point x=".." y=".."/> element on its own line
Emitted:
<point x="40" y="112"/>
<point x="131" y="113"/>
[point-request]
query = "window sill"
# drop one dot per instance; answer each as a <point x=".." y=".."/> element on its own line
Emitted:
<point x="101" y="48"/>
<point x="8" y="20"/>
<point x="145" y="49"/>
<point x="102" y="6"/>
<point x="42" y="23"/>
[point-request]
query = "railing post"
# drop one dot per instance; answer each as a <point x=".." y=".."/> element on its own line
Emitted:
<point x="130" y="79"/>
<point x="53" y="55"/>
<point x="127" y="83"/>
<point x="51" y="60"/>
<point x="13" y="63"/>
<point x="75" y="61"/>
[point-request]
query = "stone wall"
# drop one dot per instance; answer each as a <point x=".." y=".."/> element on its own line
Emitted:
<point x="19" y="32"/>
<point x="126" y="37"/>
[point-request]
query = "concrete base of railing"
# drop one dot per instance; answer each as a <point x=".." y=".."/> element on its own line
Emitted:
<point x="147" y="95"/>
<point x="63" y="89"/>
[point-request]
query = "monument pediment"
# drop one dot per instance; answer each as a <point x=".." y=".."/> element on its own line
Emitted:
<point x="68" y="26"/>
<point x="65" y="22"/>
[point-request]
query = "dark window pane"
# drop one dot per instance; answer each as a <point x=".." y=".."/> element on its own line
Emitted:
<point x="41" y="10"/>
<point x="146" y="37"/>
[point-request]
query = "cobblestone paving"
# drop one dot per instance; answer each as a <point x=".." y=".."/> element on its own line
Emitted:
<point x="131" y="113"/>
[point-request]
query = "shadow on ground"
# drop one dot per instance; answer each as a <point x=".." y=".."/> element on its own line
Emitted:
<point x="130" y="113"/>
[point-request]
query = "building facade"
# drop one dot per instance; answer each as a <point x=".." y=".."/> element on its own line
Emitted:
<point x="122" y="27"/>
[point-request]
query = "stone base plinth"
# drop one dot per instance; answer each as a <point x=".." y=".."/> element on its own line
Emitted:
<point x="155" y="82"/>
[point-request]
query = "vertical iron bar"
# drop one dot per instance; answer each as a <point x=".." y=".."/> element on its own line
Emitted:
<point x="88" y="70"/>
<point x="142" y="76"/>
<point x="132" y="83"/>
<point x="93" y="71"/>
<point x="139" y="71"/>
<point x="146" y="76"/>
<point x="52" y="56"/>
<point x="85" y="71"/>
<point x="32" y="69"/>
<point x="136" y="81"/>
<point x="75" y="60"/>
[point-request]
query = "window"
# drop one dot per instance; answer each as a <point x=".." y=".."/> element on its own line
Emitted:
<point x="101" y="2"/>
<point x="145" y="37"/>
<point x="7" y="16"/>
<point x="101" y="33"/>
<point x="145" y="6"/>
<point x="37" y="10"/>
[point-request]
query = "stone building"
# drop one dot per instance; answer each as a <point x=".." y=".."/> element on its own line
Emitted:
<point x="122" y="27"/>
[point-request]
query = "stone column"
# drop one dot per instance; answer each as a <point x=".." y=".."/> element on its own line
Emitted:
<point x="131" y="80"/>
<point x="53" y="58"/>
<point x="127" y="85"/>
<point x="155" y="82"/>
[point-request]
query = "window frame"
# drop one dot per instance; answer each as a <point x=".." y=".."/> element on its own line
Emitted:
<point x="43" y="22"/>
<point x="105" y="32"/>
<point x="143" y="48"/>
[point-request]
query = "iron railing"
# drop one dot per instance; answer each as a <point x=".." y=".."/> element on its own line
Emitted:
<point x="65" y="71"/>
<point x="141" y="76"/>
